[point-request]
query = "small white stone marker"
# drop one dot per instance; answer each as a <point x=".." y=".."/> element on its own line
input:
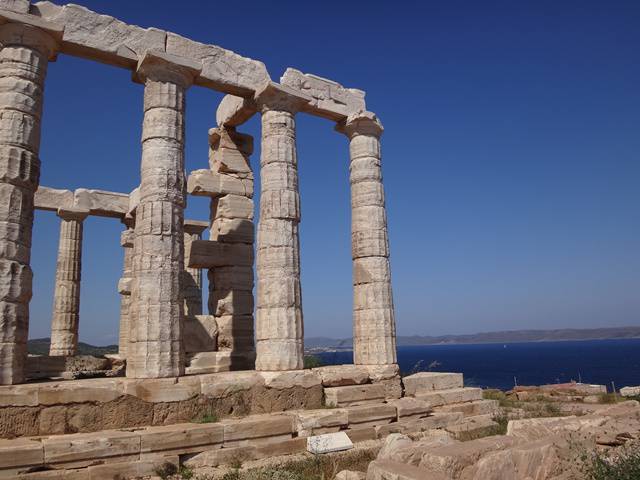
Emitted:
<point x="329" y="442"/>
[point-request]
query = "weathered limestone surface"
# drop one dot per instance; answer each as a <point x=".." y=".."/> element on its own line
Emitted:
<point x="156" y="313"/>
<point x="329" y="99"/>
<point x="234" y="111"/>
<point x="192" y="277"/>
<point x="124" y="289"/>
<point x="630" y="391"/>
<point x="66" y="302"/>
<point x="374" y="330"/>
<point x="452" y="395"/>
<point x="231" y="222"/>
<point x="97" y="202"/>
<point x="342" y="375"/>
<point x="426" y="382"/>
<point x="106" y="39"/>
<point x="354" y="395"/>
<point x="279" y="323"/>
<point x="25" y="53"/>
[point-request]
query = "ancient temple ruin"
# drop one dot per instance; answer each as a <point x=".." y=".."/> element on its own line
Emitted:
<point x="164" y="330"/>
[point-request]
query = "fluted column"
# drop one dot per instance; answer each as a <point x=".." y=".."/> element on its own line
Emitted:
<point x="374" y="330"/>
<point x="66" y="298"/>
<point x="155" y="343"/>
<point x="124" y="289"/>
<point x="192" y="282"/>
<point x="279" y="323"/>
<point x="24" y="55"/>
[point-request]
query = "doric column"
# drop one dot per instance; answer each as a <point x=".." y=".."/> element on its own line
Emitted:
<point x="374" y="330"/>
<point x="124" y="289"/>
<point x="192" y="277"/>
<point x="155" y="343"/>
<point x="25" y="52"/>
<point x="279" y="324"/>
<point x="66" y="298"/>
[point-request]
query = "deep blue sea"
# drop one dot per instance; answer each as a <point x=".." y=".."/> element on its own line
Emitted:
<point x="496" y="365"/>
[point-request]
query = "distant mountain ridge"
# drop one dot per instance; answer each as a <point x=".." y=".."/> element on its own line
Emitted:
<point x="40" y="346"/>
<point x="511" y="336"/>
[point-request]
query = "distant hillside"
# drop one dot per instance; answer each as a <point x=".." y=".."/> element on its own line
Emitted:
<point x="513" y="336"/>
<point x="40" y="346"/>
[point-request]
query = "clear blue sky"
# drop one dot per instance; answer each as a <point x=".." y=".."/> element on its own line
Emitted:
<point x="511" y="155"/>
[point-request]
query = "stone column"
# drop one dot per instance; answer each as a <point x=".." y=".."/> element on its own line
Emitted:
<point x="66" y="299"/>
<point x="155" y="343"/>
<point x="124" y="289"/>
<point x="374" y="330"/>
<point x="279" y="324"/>
<point x="192" y="278"/>
<point x="231" y="287"/>
<point x="25" y="52"/>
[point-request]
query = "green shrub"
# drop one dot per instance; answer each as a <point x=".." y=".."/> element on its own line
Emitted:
<point x="620" y="464"/>
<point x="312" y="361"/>
<point x="206" y="418"/>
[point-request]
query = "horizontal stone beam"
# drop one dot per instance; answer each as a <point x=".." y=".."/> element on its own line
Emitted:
<point x="195" y="226"/>
<point x="206" y="183"/>
<point x="87" y="34"/>
<point x="234" y="111"/>
<point x="52" y="199"/>
<point x="101" y="203"/>
<point x="97" y="202"/>
<point x="330" y="99"/>
<point x="211" y="254"/>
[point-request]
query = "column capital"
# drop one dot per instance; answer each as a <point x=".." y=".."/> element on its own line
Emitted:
<point x="73" y="213"/>
<point x="39" y="35"/>
<point x="165" y="67"/>
<point x="273" y="96"/>
<point x="361" y="123"/>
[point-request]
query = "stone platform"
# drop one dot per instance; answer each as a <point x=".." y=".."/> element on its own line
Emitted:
<point x="90" y="405"/>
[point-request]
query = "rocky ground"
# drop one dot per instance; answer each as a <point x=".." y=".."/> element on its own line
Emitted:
<point x="539" y="433"/>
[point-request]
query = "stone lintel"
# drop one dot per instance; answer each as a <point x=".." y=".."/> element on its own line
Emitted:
<point x="195" y="226"/>
<point x="273" y="96"/>
<point x="167" y="67"/>
<point x="362" y="123"/>
<point x="53" y="29"/>
<point x="234" y="111"/>
<point x="73" y="213"/>
<point x="102" y="203"/>
<point x="18" y="6"/>
<point x="99" y="203"/>
<point x="330" y="99"/>
<point x="52" y="199"/>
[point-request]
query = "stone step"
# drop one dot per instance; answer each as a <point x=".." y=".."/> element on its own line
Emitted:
<point x="354" y="395"/>
<point x="473" y="427"/>
<point x="409" y="425"/>
<point x="426" y="382"/>
<point x="411" y="408"/>
<point x="371" y="415"/>
<point x="390" y="470"/>
<point x="215" y="362"/>
<point x="469" y="409"/>
<point x="452" y="395"/>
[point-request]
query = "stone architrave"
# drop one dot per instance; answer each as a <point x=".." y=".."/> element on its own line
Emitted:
<point x="279" y="323"/>
<point x="24" y="55"/>
<point x="66" y="298"/>
<point x="124" y="288"/>
<point x="374" y="330"/>
<point x="156" y="313"/>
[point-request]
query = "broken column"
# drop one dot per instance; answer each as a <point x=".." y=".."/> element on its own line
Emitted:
<point x="66" y="298"/>
<point x="124" y="289"/>
<point x="25" y="52"/>
<point x="279" y="323"/>
<point x="231" y="287"/>
<point x="155" y="343"/>
<point x="374" y="331"/>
